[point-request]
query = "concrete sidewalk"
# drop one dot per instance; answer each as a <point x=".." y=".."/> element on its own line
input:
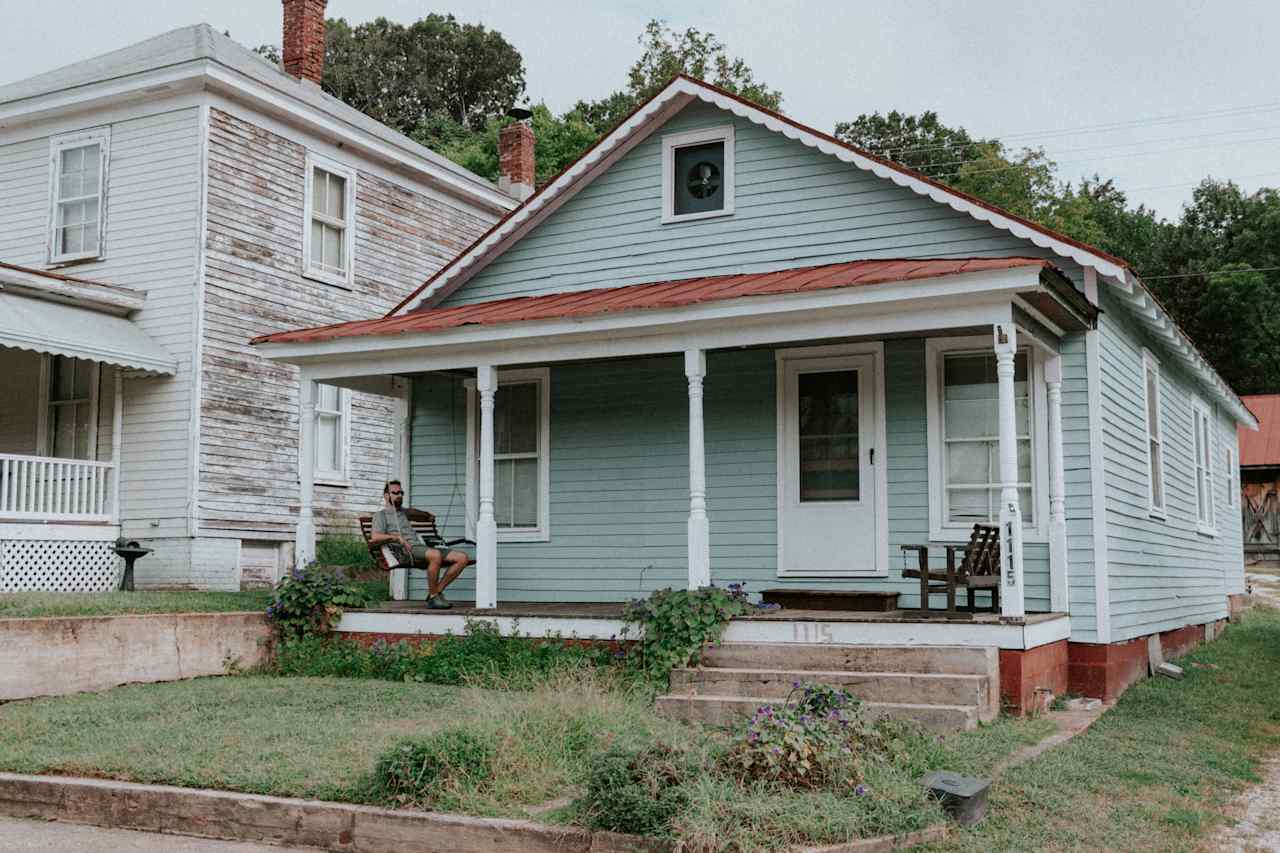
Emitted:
<point x="28" y="836"/>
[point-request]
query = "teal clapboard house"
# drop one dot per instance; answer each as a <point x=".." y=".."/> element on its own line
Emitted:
<point x="725" y="347"/>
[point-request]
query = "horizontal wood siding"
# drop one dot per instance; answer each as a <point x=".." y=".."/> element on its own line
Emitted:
<point x="1078" y="490"/>
<point x="254" y="285"/>
<point x="794" y="206"/>
<point x="1163" y="573"/>
<point x="151" y="238"/>
<point x="620" y="478"/>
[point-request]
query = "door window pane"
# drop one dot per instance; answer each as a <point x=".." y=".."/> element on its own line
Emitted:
<point x="828" y="432"/>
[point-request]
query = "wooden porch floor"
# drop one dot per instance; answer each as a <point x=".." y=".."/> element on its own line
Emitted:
<point x="613" y="610"/>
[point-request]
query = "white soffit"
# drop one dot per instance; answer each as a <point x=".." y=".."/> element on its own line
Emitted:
<point x="59" y="329"/>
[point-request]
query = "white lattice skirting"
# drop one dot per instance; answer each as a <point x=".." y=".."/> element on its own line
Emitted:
<point x="67" y="565"/>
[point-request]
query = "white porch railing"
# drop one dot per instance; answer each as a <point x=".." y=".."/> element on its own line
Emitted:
<point x="41" y="488"/>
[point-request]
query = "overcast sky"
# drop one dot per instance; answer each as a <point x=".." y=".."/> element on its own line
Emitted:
<point x="1155" y="93"/>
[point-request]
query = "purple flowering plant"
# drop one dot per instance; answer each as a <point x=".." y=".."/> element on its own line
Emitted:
<point x="310" y="601"/>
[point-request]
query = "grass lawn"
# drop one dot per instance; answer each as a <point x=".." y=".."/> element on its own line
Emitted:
<point x="322" y="737"/>
<point x="25" y="605"/>
<point x="1155" y="772"/>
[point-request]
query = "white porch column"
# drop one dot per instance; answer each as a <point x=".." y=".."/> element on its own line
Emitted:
<point x="117" y="441"/>
<point x="1058" y="596"/>
<point x="1011" y="594"/>
<point x="304" y="548"/>
<point x="695" y="369"/>
<point x="486" y="525"/>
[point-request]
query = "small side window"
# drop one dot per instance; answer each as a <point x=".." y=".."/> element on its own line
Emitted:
<point x="697" y="174"/>
<point x="77" y="190"/>
<point x="328" y="226"/>
<point x="1155" y="434"/>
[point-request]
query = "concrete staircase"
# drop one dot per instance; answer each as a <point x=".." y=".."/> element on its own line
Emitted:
<point x="946" y="688"/>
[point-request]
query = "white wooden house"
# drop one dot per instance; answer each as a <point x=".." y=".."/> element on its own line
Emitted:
<point x="723" y="346"/>
<point x="159" y="205"/>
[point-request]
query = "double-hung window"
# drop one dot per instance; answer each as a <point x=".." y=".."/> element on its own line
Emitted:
<point x="1202" y="444"/>
<point x="1155" y="434"/>
<point x="521" y="467"/>
<point x="328" y="232"/>
<point x="333" y="424"/>
<point x="78" y="170"/>
<point x="964" y="440"/>
<point x="70" y="408"/>
<point x="1233" y="482"/>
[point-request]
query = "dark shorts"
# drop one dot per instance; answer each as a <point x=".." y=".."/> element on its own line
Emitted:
<point x="420" y="553"/>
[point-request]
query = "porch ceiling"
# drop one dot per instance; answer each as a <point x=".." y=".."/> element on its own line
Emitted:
<point x="61" y="329"/>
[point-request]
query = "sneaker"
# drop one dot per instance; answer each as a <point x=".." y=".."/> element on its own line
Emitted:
<point x="441" y="597"/>
<point x="436" y="603"/>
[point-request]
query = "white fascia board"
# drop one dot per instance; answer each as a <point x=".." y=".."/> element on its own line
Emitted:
<point x="682" y="91"/>
<point x="754" y="322"/>
<point x="107" y="298"/>
<point x="207" y="74"/>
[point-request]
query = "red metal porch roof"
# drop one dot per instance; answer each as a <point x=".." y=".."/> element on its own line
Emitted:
<point x="1263" y="446"/>
<point x="662" y="294"/>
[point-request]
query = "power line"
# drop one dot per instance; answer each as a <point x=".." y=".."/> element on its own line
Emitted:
<point x="1201" y="274"/>
<point x="1196" y="183"/>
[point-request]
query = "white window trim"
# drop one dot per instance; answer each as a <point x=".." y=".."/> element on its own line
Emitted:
<point x="342" y="477"/>
<point x="42" y="413"/>
<point x="346" y="280"/>
<point x="1233" y="479"/>
<point x="1200" y="410"/>
<point x="670" y="143"/>
<point x="57" y="144"/>
<point x="542" y="532"/>
<point x="939" y="530"/>
<point x="1151" y="363"/>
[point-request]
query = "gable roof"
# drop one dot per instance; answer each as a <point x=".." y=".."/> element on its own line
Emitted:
<point x="201" y="42"/>
<point x="1262" y="447"/>
<point x="662" y="294"/>
<point x="683" y="90"/>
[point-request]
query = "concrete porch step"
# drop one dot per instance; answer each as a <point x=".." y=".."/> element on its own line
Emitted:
<point x="898" y="687"/>
<point x="729" y="710"/>
<point x="939" y="660"/>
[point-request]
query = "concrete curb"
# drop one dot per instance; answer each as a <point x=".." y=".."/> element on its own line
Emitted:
<point x="331" y="826"/>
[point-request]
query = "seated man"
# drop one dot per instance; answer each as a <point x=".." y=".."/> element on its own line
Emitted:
<point x="391" y="525"/>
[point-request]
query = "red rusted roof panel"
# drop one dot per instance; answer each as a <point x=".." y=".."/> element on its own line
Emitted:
<point x="1263" y="446"/>
<point x="661" y="294"/>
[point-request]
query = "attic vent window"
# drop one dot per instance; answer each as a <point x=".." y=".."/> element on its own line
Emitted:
<point x="697" y="174"/>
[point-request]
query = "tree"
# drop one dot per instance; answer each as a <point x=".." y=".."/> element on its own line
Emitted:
<point x="422" y="77"/>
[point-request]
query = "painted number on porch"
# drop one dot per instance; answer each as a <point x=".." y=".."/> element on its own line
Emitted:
<point x="812" y="632"/>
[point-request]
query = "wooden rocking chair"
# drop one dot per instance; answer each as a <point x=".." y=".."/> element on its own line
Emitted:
<point x="979" y="568"/>
<point x="424" y="523"/>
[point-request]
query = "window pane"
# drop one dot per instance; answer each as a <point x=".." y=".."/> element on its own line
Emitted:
<point x="515" y="419"/>
<point x="969" y="462"/>
<point x="524" y="498"/>
<point x="333" y="249"/>
<point x="1157" y="480"/>
<point x="503" y="486"/>
<point x="83" y="378"/>
<point x="61" y="378"/>
<point x="319" y="191"/>
<point x="828" y="427"/>
<point x="81" y="415"/>
<point x="72" y="240"/>
<point x="317" y="244"/>
<point x="1153" y="418"/>
<point x="337" y="197"/>
<point x="327" y="397"/>
<point x="328" y="448"/>
<point x="969" y="506"/>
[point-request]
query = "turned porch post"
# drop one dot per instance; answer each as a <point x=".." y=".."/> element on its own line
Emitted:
<point x="1058" y="595"/>
<point x="695" y="369"/>
<point x="486" y="525"/>
<point x="304" y="546"/>
<point x="1011" y="593"/>
<point x="117" y="442"/>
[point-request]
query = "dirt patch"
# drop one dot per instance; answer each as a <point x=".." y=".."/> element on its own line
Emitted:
<point x="1258" y="814"/>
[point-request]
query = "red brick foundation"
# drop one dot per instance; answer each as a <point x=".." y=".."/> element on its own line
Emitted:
<point x="1236" y="604"/>
<point x="1028" y="678"/>
<point x="1106" y="671"/>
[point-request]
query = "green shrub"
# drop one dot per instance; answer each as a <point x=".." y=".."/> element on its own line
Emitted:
<point x="343" y="551"/>
<point x="677" y="624"/>
<point x="310" y="602"/>
<point x="635" y="791"/>
<point x="818" y="739"/>
<point x="482" y="656"/>
<point x="426" y="770"/>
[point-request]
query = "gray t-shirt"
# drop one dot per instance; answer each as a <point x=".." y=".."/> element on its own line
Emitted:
<point x="396" y="521"/>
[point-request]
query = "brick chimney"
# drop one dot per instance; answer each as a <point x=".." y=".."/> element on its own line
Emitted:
<point x="515" y="160"/>
<point x="304" y="39"/>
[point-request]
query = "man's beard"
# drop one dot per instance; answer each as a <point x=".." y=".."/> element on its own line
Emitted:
<point x="398" y="500"/>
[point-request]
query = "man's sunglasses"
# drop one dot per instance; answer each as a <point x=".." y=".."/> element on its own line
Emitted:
<point x="396" y="494"/>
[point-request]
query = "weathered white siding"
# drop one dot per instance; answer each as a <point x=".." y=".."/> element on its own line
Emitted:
<point x="253" y="285"/>
<point x="1162" y="573"/>
<point x="152" y="233"/>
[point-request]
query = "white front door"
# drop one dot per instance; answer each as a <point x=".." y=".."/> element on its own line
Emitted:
<point x="829" y="513"/>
